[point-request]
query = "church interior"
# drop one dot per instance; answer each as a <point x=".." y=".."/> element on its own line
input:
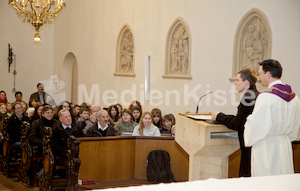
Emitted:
<point x="175" y="55"/>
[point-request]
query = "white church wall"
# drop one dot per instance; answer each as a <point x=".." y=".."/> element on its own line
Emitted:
<point x="34" y="62"/>
<point x="89" y="30"/>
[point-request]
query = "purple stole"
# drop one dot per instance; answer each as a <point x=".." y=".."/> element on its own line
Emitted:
<point x="283" y="91"/>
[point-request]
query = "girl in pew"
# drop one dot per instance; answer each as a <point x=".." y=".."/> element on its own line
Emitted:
<point x="113" y="113"/>
<point x="136" y="112"/>
<point x="157" y="118"/>
<point x="146" y="127"/>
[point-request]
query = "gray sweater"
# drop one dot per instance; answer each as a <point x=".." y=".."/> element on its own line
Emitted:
<point x="122" y="127"/>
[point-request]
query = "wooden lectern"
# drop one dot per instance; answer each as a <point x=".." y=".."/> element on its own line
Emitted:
<point x="208" y="154"/>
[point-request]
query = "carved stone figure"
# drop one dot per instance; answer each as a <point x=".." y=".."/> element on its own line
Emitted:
<point x="252" y="49"/>
<point x="125" y="54"/>
<point x="252" y="41"/>
<point x="178" y="51"/>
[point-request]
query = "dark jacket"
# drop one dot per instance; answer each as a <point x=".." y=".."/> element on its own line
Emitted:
<point x="37" y="129"/>
<point x="237" y="123"/>
<point x="59" y="142"/>
<point x="95" y="132"/>
<point x="14" y="128"/>
<point x="36" y="96"/>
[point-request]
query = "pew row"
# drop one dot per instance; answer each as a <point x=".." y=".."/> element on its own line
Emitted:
<point x="107" y="159"/>
<point x="121" y="158"/>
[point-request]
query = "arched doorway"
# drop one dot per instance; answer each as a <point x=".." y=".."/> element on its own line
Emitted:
<point x="70" y="77"/>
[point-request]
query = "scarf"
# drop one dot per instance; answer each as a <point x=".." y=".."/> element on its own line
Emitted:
<point x="283" y="91"/>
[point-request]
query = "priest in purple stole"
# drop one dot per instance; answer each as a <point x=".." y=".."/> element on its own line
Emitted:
<point x="273" y="125"/>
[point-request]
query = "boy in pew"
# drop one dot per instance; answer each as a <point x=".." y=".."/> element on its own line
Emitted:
<point x="167" y="124"/>
<point x="84" y="116"/>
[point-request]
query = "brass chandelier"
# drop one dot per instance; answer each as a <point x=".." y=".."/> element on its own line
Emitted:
<point x="37" y="12"/>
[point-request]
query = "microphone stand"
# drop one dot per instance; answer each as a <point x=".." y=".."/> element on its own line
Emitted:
<point x="200" y="99"/>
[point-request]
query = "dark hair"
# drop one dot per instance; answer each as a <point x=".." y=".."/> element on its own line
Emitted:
<point x="31" y="100"/>
<point x="46" y="108"/>
<point x="173" y="118"/>
<point x="114" y="118"/>
<point x="35" y="114"/>
<point x="249" y="75"/>
<point x="18" y="92"/>
<point x="2" y="91"/>
<point x="136" y="108"/>
<point x="120" y="106"/>
<point x="60" y="107"/>
<point x="168" y="118"/>
<point x="272" y="66"/>
<point x="157" y="113"/>
<point x="14" y="105"/>
<point x="128" y="112"/>
<point x="82" y="109"/>
<point x="39" y="84"/>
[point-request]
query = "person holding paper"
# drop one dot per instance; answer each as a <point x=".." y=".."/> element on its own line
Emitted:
<point x="245" y="84"/>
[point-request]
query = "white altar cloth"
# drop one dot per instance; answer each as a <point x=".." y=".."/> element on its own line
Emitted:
<point x="289" y="182"/>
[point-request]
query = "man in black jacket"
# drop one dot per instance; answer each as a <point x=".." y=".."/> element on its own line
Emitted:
<point x="245" y="84"/>
<point x="60" y="136"/>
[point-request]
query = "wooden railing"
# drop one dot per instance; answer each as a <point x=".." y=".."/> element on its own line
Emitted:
<point x="124" y="157"/>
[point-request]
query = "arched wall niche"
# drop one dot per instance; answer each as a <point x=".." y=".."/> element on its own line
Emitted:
<point x="70" y="77"/>
<point x="178" y="51"/>
<point x="253" y="41"/>
<point x="125" y="53"/>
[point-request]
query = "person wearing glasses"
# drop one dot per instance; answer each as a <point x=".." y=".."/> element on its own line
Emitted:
<point x="273" y="125"/>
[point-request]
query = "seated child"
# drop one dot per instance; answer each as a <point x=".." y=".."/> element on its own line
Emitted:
<point x="83" y="117"/>
<point x="167" y="124"/>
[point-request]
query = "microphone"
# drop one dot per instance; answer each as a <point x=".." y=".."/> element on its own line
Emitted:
<point x="200" y="99"/>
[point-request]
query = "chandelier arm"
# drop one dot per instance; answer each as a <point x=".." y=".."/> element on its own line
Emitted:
<point x="57" y="10"/>
<point x="16" y="6"/>
<point x="32" y="7"/>
<point x="43" y="13"/>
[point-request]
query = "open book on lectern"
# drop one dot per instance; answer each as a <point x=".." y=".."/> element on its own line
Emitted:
<point x="201" y="117"/>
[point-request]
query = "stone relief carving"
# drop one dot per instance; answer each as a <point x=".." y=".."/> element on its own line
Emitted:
<point x="252" y="41"/>
<point x="125" y="53"/>
<point x="178" y="51"/>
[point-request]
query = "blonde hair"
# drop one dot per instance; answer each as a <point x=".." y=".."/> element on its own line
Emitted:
<point x="142" y="126"/>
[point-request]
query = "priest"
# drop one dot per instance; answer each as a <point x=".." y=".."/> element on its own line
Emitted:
<point x="273" y="125"/>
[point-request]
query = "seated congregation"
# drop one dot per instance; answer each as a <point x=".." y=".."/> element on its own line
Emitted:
<point x="38" y="145"/>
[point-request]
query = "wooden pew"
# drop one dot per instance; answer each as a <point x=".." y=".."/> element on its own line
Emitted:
<point x="6" y="148"/>
<point x="117" y="158"/>
<point x="108" y="159"/>
<point x="46" y="175"/>
<point x="26" y="154"/>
